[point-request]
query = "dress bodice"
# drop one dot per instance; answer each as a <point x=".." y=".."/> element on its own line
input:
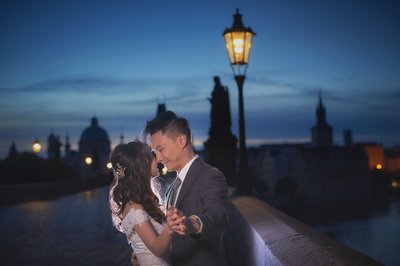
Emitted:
<point x="144" y="255"/>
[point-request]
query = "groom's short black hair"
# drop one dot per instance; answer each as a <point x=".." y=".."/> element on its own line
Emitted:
<point x="170" y="124"/>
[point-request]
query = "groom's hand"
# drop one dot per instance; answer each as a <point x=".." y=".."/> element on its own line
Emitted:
<point x="183" y="225"/>
<point x="176" y="221"/>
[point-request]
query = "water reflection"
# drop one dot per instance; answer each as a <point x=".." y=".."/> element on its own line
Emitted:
<point x="88" y="196"/>
<point x="73" y="230"/>
<point x="395" y="209"/>
<point x="34" y="205"/>
<point x="377" y="236"/>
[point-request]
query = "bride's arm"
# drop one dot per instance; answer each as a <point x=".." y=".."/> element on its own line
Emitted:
<point x="156" y="244"/>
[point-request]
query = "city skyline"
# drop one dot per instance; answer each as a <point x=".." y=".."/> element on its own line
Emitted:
<point x="63" y="62"/>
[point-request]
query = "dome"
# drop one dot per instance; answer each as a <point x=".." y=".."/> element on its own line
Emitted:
<point x="94" y="144"/>
<point x="94" y="141"/>
<point x="94" y="133"/>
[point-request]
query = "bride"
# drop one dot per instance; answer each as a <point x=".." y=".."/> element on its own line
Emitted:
<point x="135" y="208"/>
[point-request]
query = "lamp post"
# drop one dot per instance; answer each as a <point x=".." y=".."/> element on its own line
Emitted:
<point x="36" y="146"/>
<point x="238" y="40"/>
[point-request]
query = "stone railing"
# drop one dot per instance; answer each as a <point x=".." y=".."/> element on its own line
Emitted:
<point x="261" y="235"/>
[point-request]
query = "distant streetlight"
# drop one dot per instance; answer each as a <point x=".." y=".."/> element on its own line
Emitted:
<point x="36" y="146"/>
<point x="88" y="160"/>
<point x="238" y="40"/>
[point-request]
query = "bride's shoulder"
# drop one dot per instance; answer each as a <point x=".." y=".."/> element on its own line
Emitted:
<point x="133" y="214"/>
<point x="131" y="207"/>
<point x="134" y="205"/>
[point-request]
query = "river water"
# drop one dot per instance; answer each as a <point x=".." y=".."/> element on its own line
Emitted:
<point x="77" y="230"/>
<point x="377" y="235"/>
<point x="72" y="230"/>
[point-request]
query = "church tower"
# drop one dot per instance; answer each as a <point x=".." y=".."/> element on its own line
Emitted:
<point x="161" y="108"/>
<point x="67" y="146"/>
<point x="54" y="146"/>
<point x="121" y="137"/>
<point x="321" y="133"/>
<point x="13" y="151"/>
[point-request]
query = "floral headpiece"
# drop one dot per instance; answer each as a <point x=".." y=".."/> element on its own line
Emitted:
<point x="120" y="172"/>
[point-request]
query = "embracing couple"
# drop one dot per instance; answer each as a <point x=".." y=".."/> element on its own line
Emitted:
<point x="182" y="227"/>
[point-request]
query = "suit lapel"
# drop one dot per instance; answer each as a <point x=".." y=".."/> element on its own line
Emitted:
<point x="191" y="176"/>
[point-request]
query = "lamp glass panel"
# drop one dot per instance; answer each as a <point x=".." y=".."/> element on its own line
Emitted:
<point x="229" y="47"/>
<point x="247" y="47"/>
<point x="238" y="46"/>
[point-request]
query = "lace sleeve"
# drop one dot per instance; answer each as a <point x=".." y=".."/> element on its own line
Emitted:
<point x="134" y="217"/>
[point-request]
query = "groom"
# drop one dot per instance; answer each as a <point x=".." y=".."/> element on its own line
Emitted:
<point x="201" y="196"/>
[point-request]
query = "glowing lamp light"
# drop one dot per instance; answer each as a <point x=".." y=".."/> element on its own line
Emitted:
<point x="238" y="40"/>
<point x="88" y="160"/>
<point x="36" y="146"/>
<point x="109" y="165"/>
<point x="378" y="166"/>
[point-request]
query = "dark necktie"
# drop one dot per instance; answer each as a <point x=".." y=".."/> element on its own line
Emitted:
<point x="174" y="190"/>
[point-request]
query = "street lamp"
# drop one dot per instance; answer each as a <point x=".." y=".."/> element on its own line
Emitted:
<point x="88" y="160"/>
<point x="238" y="40"/>
<point x="36" y="146"/>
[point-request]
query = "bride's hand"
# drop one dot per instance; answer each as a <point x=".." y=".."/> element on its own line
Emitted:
<point x="176" y="221"/>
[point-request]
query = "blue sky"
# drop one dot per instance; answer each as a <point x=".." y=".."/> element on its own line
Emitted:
<point x="61" y="62"/>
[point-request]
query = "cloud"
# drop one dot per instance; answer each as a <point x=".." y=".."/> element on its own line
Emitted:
<point x="382" y="100"/>
<point x="101" y="85"/>
<point x="86" y="93"/>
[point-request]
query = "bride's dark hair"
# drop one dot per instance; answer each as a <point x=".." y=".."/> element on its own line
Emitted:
<point x="131" y="163"/>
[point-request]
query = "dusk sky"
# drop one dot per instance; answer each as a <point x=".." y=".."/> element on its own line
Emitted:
<point x="62" y="62"/>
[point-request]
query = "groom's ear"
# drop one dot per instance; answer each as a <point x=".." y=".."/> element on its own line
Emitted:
<point x="182" y="141"/>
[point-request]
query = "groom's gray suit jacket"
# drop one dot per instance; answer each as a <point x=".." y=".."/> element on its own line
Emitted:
<point x="203" y="193"/>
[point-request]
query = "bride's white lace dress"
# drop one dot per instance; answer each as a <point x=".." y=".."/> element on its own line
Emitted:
<point x="144" y="255"/>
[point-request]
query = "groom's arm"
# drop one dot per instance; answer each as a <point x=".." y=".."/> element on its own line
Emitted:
<point x="213" y="218"/>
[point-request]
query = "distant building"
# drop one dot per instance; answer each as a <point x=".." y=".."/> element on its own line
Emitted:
<point x="322" y="132"/>
<point x="323" y="175"/>
<point x="392" y="161"/>
<point x="376" y="155"/>
<point x="347" y="138"/>
<point x="54" y="147"/>
<point x="94" y="150"/>
<point x="95" y="143"/>
<point x="12" y="153"/>
<point x="334" y="175"/>
<point x="320" y="173"/>
<point x="272" y="162"/>
<point x="161" y="108"/>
